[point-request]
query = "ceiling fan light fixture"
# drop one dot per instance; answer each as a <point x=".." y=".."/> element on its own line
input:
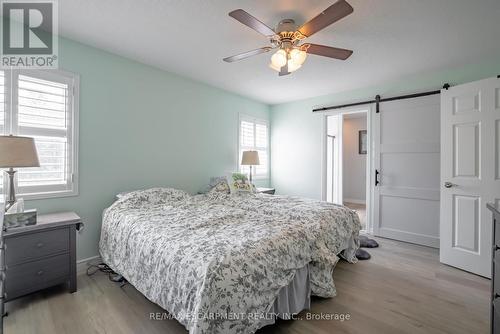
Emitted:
<point x="293" y="66"/>
<point x="279" y="58"/>
<point x="298" y="56"/>
<point x="288" y="39"/>
<point x="277" y="69"/>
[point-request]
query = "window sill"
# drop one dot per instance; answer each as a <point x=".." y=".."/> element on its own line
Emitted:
<point x="48" y="195"/>
<point x="260" y="178"/>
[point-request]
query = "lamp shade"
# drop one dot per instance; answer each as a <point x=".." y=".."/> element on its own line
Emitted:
<point x="250" y="158"/>
<point x="18" y="152"/>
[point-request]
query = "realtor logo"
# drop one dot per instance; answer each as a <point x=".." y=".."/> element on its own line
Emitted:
<point x="29" y="34"/>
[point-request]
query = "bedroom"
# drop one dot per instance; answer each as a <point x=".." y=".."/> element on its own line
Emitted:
<point x="138" y="97"/>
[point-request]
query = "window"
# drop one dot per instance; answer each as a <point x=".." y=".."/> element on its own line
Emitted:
<point x="43" y="105"/>
<point x="254" y="136"/>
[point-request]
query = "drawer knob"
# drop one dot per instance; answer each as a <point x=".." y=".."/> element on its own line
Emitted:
<point x="40" y="273"/>
<point x="39" y="245"/>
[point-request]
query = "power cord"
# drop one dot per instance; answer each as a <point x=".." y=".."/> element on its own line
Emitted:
<point x="104" y="268"/>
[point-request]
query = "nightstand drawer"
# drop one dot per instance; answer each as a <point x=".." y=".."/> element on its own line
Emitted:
<point x="36" y="245"/>
<point x="496" y="315"/>
<point x="32" y="276"/>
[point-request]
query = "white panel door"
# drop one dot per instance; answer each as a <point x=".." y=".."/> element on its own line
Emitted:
<point x="406" y="199"/>
<point x="470" y="173"/>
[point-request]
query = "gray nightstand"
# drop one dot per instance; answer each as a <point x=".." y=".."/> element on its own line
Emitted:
<point x="269" y="191"/>
<point x="41" y="255"/>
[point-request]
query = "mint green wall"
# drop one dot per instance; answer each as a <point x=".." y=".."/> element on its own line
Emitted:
<point x="296" y="131"/>
<point x="142" y="127"/>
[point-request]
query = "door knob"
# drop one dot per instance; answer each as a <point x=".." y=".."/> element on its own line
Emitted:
<point x="448" y="184"/>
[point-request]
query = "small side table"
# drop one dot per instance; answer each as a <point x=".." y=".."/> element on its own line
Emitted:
<point x="41" y="255"/>
<point x="269" y="191"/>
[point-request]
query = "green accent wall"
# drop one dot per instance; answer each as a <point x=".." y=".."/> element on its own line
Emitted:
<point x="296" y="133"/>
<point x="142" y="127"/>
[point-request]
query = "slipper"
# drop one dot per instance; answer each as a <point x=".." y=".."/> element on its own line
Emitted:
<point x="361" y="254"/>
<point x="366" y="242"/>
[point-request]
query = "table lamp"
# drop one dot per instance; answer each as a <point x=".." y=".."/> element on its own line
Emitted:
<point x="16" y="152"/>
<point x="250" y="158"/>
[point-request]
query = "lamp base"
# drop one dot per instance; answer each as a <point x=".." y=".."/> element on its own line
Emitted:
<point x="12" y="192"/>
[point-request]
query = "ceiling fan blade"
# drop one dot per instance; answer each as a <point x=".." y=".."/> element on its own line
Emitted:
<point x="327" y="51"/>
<point x="332" y="14"/>
<point x="247" y="54"/>
<point x="252" y="22"/>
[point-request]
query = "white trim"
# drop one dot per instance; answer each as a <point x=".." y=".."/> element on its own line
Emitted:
<point x="370" y="173"/>
<point x="370" y="163"/>
<point x="83" y="264"/>
<point x="324" y="154"/>
<point x="411" y="237"/>
<point x="337" y="198"/>
<point x="355" y="201"/>
<point x="73" y="81"/>
<point x="262" y="121"/>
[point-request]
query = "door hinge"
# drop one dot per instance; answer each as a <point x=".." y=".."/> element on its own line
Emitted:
<point x="377" y="173"/>
<point x="377" y="104"/>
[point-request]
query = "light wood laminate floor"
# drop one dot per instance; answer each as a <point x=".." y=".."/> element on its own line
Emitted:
<point x="402" y="289"/>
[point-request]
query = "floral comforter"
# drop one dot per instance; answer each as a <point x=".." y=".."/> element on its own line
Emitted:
<point x="217" y="262"/>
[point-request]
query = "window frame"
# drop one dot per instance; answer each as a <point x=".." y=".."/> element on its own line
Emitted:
<point x="254" y="120"/>
<point x="72" y="133"/>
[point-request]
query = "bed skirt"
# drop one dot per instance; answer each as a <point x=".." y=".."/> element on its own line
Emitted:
<point x="291" y="299"/>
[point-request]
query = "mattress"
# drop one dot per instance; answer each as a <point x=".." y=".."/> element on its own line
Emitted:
<point x="218" y="262"/>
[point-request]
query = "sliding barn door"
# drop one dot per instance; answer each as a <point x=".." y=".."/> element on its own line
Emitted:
<point x="406" y="196"/>
<point x="470" y="173"/>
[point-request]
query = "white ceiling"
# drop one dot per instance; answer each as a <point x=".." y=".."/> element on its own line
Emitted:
<point x="391" y="39"/>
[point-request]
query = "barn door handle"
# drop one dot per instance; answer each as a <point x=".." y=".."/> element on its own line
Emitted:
<point x="376" y="177"/>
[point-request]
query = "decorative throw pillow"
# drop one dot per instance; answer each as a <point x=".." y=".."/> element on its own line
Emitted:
<point x="216" y="181"/>
<point x="239" y="182"/>
<point x="221" y="186"/>
<point x="219" y="191"/>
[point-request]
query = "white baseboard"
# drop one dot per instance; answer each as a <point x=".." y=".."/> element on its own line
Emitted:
<point x="83" y="264"/>
<point x="352" y="200"/>
<point x="414" y="238"/>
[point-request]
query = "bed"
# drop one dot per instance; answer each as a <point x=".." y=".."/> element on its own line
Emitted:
<point x="218" y="262"/>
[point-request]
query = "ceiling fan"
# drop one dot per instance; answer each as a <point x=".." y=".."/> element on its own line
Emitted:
<point x="288" y="38"/>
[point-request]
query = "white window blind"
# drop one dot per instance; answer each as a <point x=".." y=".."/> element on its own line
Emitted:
<point x="43" y="107"/>
<point x="254" y="136"/>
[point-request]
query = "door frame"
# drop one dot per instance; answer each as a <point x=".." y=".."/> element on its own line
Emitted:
<point x="372" y="132"/>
